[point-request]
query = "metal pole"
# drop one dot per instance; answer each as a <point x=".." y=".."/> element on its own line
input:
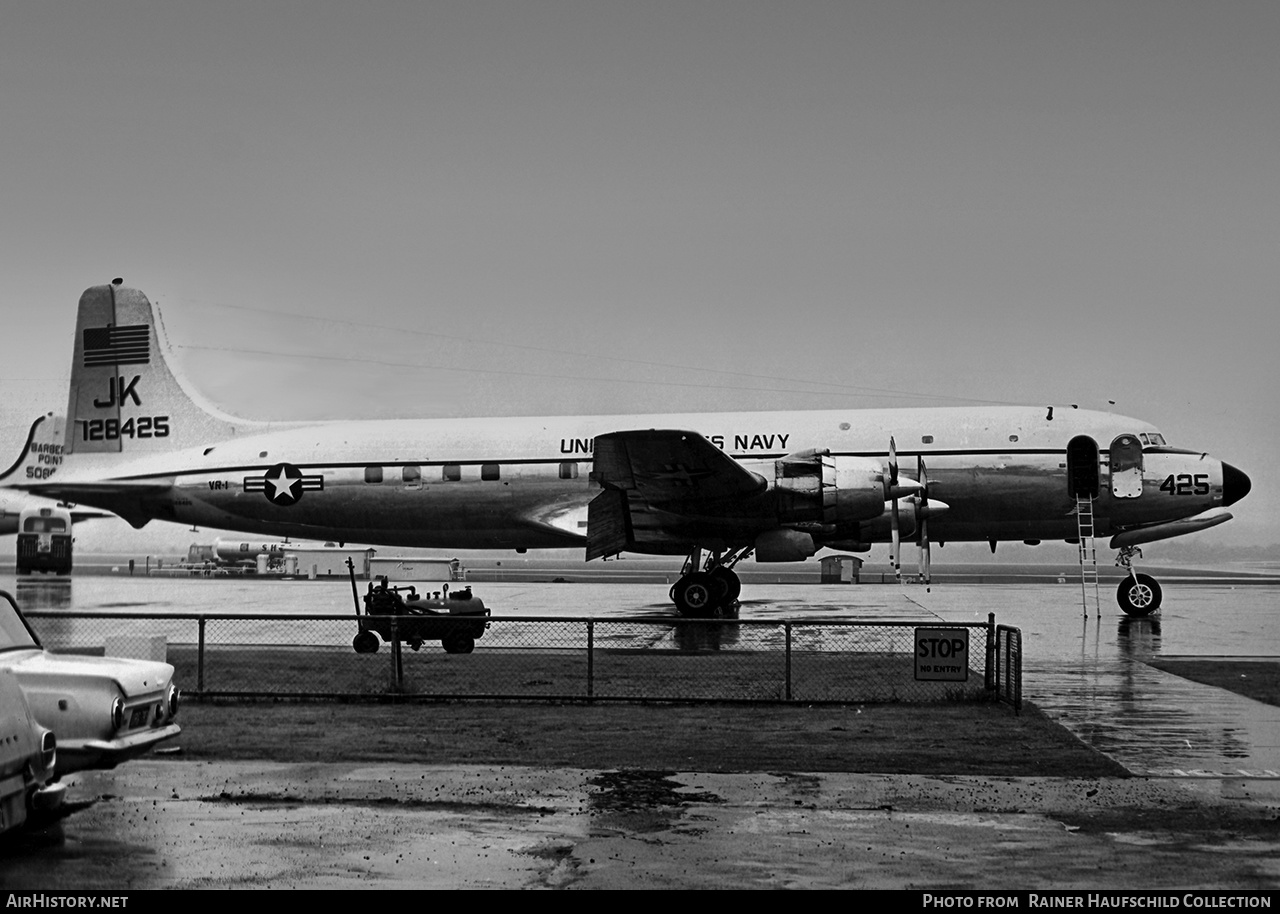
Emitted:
<point x="787" y="640"/>
<point x="990" y="673"/>
<point x="397" y="661"/>
<point x="591" y="658"/>
<point x="200" y="657"/>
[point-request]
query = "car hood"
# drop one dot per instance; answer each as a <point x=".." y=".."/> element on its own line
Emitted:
<point x="134" y="677"/>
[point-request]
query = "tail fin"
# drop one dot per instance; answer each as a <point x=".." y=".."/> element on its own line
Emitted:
<point x="124" y="395"/>
<point x="41" y="456"/>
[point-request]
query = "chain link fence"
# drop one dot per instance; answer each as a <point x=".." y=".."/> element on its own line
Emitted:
<point x="551" y="658"/>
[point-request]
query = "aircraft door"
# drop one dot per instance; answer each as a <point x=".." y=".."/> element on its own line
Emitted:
<point x="1126" y="467"/>
<point x="1082" y="467"/>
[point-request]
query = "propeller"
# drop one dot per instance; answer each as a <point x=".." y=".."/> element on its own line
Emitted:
<point x="895" y="545"/>
<point x="923" y="513"/>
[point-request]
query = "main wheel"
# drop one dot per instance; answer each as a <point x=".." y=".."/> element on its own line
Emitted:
<point x="365" y="643"/>
<point x="1139" y="595"/>
<point x="696" y="595"/>
<point x="730" y="583"/>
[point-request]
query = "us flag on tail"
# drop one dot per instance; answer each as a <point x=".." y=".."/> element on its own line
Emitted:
<point x="117" y="346"/>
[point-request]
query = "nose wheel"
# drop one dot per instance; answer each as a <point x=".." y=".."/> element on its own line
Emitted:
<point x="1139" y="594"/>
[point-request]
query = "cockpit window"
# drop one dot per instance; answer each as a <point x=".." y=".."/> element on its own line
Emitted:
<point x="1155" y="439"/>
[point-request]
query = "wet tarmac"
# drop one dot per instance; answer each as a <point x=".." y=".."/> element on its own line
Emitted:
<point x="1207" y="764"/>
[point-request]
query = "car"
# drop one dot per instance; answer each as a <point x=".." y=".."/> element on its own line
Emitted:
<point x="104" y="710"/>
<point x="28" y="756"/>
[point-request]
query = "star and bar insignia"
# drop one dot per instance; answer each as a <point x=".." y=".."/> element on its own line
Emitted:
<point x="284" y="484"/>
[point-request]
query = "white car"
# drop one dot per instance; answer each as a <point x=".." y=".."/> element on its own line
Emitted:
<point x="28" y="754"/>
<point x="103" y="710"/>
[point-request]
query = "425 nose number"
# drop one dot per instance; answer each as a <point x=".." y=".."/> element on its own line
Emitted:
<point x="1186" y="484"/>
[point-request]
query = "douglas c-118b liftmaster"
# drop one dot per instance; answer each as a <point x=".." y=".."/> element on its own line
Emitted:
<point x="715" y="487"/>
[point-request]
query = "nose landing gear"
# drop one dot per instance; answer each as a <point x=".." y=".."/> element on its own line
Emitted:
<point x="1138" y="594"/>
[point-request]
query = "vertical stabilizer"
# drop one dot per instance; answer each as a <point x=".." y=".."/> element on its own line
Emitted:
<point x="124" y="397"/>
<point x="41" y="456"/>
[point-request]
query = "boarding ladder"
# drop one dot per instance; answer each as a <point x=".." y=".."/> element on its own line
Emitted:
<point x="1088" y="556"/>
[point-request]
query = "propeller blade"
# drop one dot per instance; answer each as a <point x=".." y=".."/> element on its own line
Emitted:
<point x="925" y="559"/>
<point x="896" y="545"/>
<point x="925" y="570"/>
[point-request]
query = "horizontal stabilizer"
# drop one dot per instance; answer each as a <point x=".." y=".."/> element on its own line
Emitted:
<point x="121" y="497"/>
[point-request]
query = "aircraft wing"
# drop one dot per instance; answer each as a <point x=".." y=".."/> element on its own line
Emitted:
<point x="665" y="471"/>
<point x="668" y="466"/>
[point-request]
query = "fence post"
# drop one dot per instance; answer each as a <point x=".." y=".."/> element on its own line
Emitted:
<point x="988" y="674"/>
<point x="786" y="626"/>
<point x="591" y="658"/>
<point x="200" y="657"/>
<point x="397" y="662"/>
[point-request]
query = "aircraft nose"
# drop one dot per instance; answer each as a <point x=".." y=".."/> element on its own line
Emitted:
<point x="1235" y="485"/>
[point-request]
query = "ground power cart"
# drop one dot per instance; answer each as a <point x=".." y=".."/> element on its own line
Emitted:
<point x="455" y="619"/>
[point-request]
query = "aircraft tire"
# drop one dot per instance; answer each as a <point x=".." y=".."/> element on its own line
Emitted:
<point x="730" y="582"/>
<point x="696" y="595"/>
<point x="365" y="643"/>
<point x="1139" y="595"/>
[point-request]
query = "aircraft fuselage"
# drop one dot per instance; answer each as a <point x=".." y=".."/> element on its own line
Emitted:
<point x="524" y="482"/>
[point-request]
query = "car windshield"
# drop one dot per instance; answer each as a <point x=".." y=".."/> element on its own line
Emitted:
<point x="14" y="633"/>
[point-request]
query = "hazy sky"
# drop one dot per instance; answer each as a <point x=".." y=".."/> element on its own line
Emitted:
<point x="424" y="209"/>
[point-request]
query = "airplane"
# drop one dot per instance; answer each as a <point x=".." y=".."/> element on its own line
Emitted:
<point x="41" y="455"/>
<point x="716" y="488"/>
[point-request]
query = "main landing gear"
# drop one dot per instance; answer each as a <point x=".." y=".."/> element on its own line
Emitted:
<point x="1138" y="594"/>
<point x="711" y="593"/>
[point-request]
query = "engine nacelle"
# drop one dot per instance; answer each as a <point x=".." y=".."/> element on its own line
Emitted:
<point x="813" y="487"/>
<point x="784" y="546"/>
<point x="847" y="545"/>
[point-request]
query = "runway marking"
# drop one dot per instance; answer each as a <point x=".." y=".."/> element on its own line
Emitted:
<point x="1264" y="774"/>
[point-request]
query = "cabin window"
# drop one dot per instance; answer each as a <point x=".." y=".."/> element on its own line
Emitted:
<point x="926" y="439"/>
<point x="451" y="472"/>
<point x="489" y="471"/>
<point x="411" y="474"/>
<point x="1013" y="439"/>
<point x="569" y="470"/>
<point x="373" y="474"/>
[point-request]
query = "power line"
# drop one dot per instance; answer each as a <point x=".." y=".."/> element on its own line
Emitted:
<point x="839" y="388"/>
